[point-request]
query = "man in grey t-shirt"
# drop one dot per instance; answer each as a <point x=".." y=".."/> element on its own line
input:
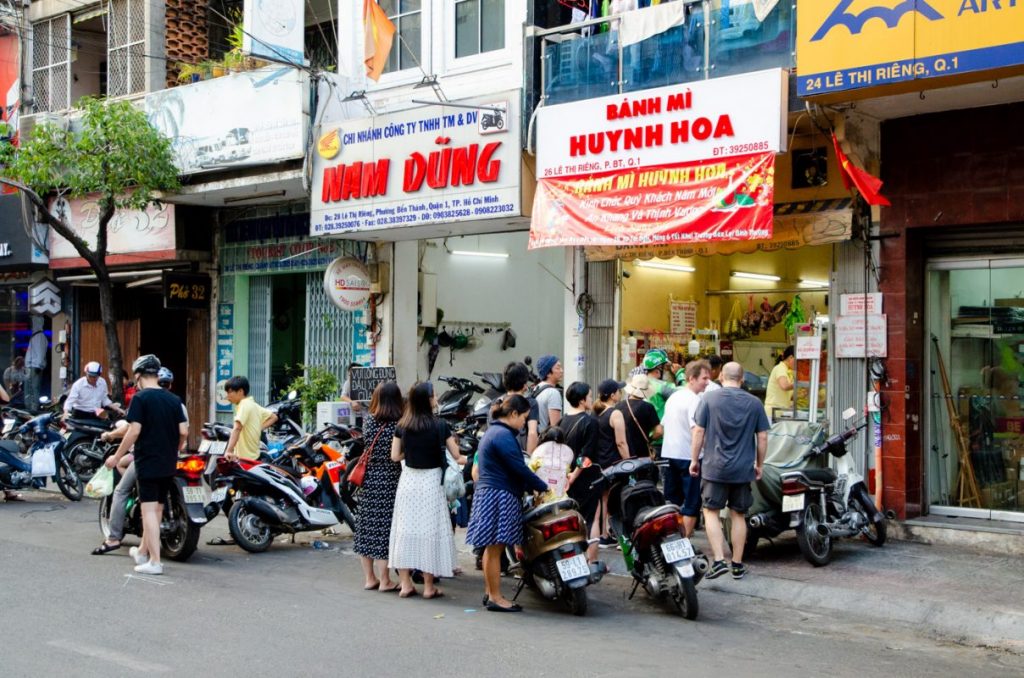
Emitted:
<point x="547" y="395"/>
<point x="732" y="430"/>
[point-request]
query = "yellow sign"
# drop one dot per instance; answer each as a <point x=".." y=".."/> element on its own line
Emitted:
<point x="329" y="145"/>
<point x="852" y="44"/>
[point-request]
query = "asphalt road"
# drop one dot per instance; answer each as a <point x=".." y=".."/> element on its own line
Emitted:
<point x="297" y="611"/>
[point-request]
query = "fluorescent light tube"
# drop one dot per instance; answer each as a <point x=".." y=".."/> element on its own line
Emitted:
<point x="666" y="267"/>
<point x="492" y="255"/>
<point x="756" y="276"/>
<point x="806" y="282"/>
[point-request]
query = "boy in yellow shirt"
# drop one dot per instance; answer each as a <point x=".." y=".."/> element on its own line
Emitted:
<point x="250" y="420"/>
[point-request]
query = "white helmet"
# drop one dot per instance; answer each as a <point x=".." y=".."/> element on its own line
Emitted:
<point x="93" y="369"/>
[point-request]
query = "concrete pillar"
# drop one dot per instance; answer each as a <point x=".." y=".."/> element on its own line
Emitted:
<point x="403" y="330"/>
<point x="573" y="357"/>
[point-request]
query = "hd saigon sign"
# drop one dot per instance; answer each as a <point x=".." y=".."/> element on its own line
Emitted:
<point x="845" y="45"/>
<point x="429" y="165"/>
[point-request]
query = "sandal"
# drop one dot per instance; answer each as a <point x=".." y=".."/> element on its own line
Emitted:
<point x="494" y="607"/>
<point x="105" y="548"/>
<point x="13" y="496"/>
<point x="408" y="594"/>
<point x="372" y="588"/>
<point x="438" y="593"/>
<point x="392" y="589"/>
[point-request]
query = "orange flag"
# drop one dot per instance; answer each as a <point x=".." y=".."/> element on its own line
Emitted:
<point x="868" y="185"/>
<point x="379" y="33"/>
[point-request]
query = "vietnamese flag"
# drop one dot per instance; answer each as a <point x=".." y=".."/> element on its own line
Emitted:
<point x="379" y="33"/>
<point x="867" y="185"/>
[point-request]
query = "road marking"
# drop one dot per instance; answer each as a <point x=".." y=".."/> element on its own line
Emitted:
<point x="108" y="655"/>
<point x="151" y="580"/>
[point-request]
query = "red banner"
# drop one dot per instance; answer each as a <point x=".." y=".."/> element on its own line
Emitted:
<point x="710" y="200"/>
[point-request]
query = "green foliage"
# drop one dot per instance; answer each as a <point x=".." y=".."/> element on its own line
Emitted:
<point x="796" y="316"/>
<point x="314" y="384"/>
<point x="109" y="149"/>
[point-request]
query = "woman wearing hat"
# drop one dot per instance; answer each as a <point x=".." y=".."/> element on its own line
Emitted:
<point x="635" y="421"/>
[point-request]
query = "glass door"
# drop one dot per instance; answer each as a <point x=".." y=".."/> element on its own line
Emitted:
<point x="975" y="346"/>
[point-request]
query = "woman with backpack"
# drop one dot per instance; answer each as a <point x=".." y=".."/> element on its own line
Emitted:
<point x="421" y="528"/>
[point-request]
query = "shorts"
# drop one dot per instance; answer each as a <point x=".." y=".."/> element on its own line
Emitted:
<point x="737" y="496"/>
<point x="155" y="489"/>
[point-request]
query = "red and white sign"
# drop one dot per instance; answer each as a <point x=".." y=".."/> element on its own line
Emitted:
<point x="682" y="316"/>
<point x="722" y="117"/>
<point x="133" y="236"/>
<point x="808" y="348"/>
<point x="850" y="336"/>
<point x="347" y="283"/>
<point x="722" y="199"/>
<point x="432" y="164"/>
<point x="859" y="304"/>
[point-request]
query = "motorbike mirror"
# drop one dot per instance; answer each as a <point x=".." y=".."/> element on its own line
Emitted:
<point x="293" y="394"/>
<point x="44" y="400"/>
<point x="528" y="361"/>
<point x="849" y="413"/>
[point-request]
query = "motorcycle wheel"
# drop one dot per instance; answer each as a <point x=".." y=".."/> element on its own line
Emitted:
<point x="84" y="465"/>
<point x="181" y="538"/>
<point x="105" y="503"/>
<point x="875" y="533"/>
<point x="248" y="531"/>
<point x="816" y="548"/>
<point x="69" y="483"/>
<point x="685" y="597"/>
<point x="345" y="515"/>
<point x="576" y="600"/>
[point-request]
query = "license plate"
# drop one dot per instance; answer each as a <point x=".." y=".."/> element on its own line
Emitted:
<point x="204" y="446"/>
<point x="792" y="502"/>
<point x="218" y="495"/>
<point x="218" y="446"/>
<point x="573" y="568"/>
<point x="676" y="550"/>
<point x="8" y="425"/>
<point x="194" y="495"/>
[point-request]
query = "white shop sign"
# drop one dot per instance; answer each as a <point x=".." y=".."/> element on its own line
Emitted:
<point x="851" y="335"/>
<point x="275" y="29"/>
<point x="721" y="117"/>
<point x="808" y="348"/>
<point x="430" y="165"/>
<point x="859" y="304"/>
<point x="347" y="283"/>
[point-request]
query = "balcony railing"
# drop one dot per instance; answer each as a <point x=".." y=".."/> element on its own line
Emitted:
<point x="717" y="38"/>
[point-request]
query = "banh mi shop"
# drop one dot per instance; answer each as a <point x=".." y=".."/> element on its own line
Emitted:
<point x="723" y="215"/>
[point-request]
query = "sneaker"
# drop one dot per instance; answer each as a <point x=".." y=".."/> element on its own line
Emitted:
<point x="150" y="568"/>
<point x="717" y="569"/>
<point x="134" y="553"/>
<point x="607" y="543"/>
<point x="738" y="570"/>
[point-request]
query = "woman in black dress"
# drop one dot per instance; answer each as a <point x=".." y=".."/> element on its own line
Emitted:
<point x="380" y="483"/>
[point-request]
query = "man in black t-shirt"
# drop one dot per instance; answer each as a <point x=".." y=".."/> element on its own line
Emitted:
<point x="157" y="429"/>
<point x="634" y="420"/>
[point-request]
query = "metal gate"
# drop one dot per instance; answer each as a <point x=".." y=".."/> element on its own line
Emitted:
<point x="599" y="330"/>
<point x="329" y="330"/>
<point x="260" y="299"/>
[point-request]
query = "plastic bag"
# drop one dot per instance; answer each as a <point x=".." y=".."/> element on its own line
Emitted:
<point x="101" y="485"/>
<point x="454" y="485"/>
<point x="44" y="464"/>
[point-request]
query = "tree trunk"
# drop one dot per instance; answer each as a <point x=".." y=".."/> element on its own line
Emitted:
<point x="109" y="320"/>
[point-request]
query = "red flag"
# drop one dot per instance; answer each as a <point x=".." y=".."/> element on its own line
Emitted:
<point x="867" y="185"/>
<point x="379" y="33"/>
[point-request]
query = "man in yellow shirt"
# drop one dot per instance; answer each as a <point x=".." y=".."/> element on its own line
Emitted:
<point x="250" y="420"/>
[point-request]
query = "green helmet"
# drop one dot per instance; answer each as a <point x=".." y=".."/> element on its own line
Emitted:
<point x="654" y="359"/>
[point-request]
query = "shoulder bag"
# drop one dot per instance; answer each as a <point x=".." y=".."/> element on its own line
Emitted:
<point x="358" y="472"/>
<point x="650" y="448"/>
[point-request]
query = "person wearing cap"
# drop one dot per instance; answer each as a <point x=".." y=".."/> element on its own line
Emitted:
<point x="89" y="396"/>
<point x="547" y="393"/>
<point x="655" y="363"/>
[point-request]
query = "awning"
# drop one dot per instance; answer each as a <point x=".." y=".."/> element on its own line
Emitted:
<point x="796" y="225"/>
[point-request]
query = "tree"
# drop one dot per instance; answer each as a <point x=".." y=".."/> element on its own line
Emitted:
<point x="103" y="149"/>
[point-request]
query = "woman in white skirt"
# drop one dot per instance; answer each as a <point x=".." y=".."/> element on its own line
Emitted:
<point x="421" y="527"/>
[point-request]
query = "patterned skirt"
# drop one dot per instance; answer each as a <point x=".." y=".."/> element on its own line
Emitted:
<point x="496" y="519"/>
<point x="421" y="526"/>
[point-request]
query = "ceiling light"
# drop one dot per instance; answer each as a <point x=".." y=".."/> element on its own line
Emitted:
<point x="755" y="276"/>
<point x="666" y="267"/>
<point x="492" y="255"/>
<point x="807" y="282"/>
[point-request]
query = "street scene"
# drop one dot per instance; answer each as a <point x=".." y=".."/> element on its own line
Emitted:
<point x="521" y="325"/>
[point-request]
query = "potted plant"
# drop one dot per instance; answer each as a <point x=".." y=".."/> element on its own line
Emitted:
<point x="188" y="73"/>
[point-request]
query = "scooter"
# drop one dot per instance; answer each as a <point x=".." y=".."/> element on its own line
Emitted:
<point x="185" y="510"/>
<point x="16" y="466"/>
<point x="288" y="427"/>
<point x="85" y="450"/>
<point x="826" y="504"/>
<point x="553" y="557"/>
<point x="650" y="531"/>
<point x="453" y="405"/>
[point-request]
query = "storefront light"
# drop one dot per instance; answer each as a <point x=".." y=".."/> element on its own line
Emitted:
<point x="755" y="276"/>
<point x="492" y="255"/>
<point x="666" y="267"/>
<point x="806" y="282"/>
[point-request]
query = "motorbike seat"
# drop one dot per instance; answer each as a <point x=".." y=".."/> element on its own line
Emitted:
<point x="288" y="472"/>
<point x="819" y="475"/>
<point x="88" y="426"/>
<point x="549" y="508"/>
<point x="654" y="512"/>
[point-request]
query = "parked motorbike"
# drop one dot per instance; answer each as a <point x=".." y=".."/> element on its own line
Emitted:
<point x="85" y="450"/>
<point x="185" y="510"/>
<point x="287" y="430"/>
<point x="650" y="531"/>
<point x="453" y="405"/>
<point x="317" y="458"/>
<point x="13" y="419"/>
<point x="16" y="465"/>
<point x="553" y="557"/>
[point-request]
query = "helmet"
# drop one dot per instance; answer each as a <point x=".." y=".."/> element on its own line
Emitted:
<point x="146" y="364"/>
<point x="654" y="359"/>
<point x="164" y="376"/>
<point x="93" y="369"/>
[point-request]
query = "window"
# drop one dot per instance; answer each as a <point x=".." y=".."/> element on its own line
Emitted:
<point x="407" y="16"/>
<point x="51" y="63"/>
<point x="126" y="47"/>
<point x="479" y="26"/>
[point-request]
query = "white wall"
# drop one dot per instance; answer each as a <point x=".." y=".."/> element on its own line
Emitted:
<point x="514" y="290"/>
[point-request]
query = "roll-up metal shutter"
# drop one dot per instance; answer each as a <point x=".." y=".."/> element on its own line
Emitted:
<point x="599" y="327"/>
<point x="330" y="331"/>
<point x="260" y="299"/>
